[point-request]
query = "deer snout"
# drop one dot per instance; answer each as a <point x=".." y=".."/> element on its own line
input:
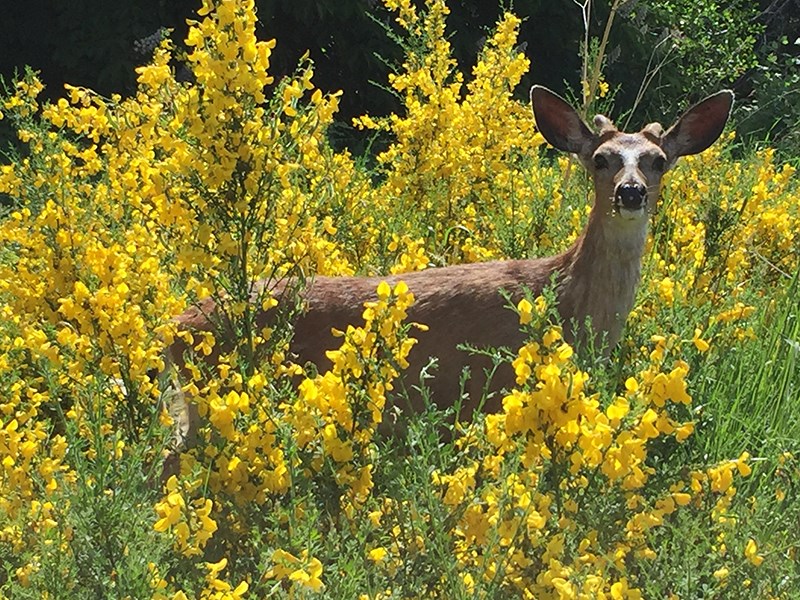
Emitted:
<point x="632" y="196"/>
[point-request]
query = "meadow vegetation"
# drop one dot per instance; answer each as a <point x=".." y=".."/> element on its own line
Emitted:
<point x="668" y="471"/>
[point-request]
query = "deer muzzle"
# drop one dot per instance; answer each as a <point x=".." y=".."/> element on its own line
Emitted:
<point x="631" y="196"/>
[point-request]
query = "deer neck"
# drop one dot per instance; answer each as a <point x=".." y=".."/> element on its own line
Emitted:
<point x="601" y="273"/>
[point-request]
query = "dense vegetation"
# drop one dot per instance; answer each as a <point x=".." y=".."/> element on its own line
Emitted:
<point x="660" y="54"/>
<point x="668" y="471"/>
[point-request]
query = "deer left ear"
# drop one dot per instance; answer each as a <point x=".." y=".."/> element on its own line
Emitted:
<point x="699" y="127"/>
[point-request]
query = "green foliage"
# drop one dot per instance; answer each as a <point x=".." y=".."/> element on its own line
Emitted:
<point x="661" y="54"/>
<point x="771" y="113"/>
<point x="669" y="468"/>
<point x="707" y="43"/>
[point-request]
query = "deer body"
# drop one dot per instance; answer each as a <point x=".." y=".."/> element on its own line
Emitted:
<point x="459" y="304"/>
<point x="462" y="304"/>
<point x="596" y="278"/>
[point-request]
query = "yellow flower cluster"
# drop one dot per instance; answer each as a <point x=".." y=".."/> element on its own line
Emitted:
<point x="463" y="147"/>
<point x="336" y="413"/>
<point x="134" y="203"/>
<point x="191" y="525"/>
<point x="551" y="452"/>
<point x="725" y="226"/>
<point x="302" y="571"/>
<point x="125" y="210"/>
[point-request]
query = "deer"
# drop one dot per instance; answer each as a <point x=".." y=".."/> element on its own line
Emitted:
<point x="595" y="279"/>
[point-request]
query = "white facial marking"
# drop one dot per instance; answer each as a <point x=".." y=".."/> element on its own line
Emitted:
<point x="630" y="156"/>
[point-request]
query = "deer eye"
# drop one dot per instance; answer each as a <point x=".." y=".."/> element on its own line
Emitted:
<point x="659" y="164"/>
<point x="600" y="161"/>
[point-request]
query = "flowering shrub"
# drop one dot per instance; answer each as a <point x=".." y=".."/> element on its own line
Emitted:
<point x="535" y="520"/>
<point x="591" y="481"/>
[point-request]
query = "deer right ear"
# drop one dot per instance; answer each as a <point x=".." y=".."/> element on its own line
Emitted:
<point x="558" y="122"/>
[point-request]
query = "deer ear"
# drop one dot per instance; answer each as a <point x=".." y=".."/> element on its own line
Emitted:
<point x="558" y="122"/>
<point x="699" y="127"/>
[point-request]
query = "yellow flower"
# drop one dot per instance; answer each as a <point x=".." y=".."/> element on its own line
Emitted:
<point x="742" y="466"/>
<point x="751" y="553"/>
<point x="303" y="571"/>
<point x="525" y="310"/>
<point x="384" y="291"/>
<point x="377" y="555"/>
<point x="666" y="290"/>
<point x="721" y="478"/>
<point x="683" y="431"/>
<point x="618" y="409"/>
<point x="309" y="576"/>
<point x="621" y="591"/>
<point x="701" y="344"/>
<point x="681" y="498"/>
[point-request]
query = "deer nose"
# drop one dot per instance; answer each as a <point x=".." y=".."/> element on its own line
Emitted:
<point x="631" y="196"/>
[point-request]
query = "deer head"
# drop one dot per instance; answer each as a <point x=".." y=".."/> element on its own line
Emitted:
<point x="627" y="167"/>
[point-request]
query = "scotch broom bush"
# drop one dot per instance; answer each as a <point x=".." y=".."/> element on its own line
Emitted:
<point x="665" y="472"/>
